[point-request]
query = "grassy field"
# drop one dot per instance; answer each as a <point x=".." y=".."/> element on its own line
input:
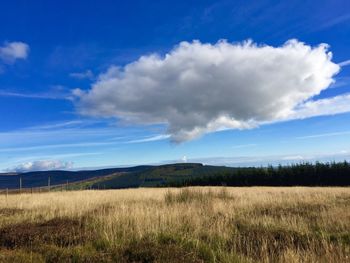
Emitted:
<point x="207" y="224"/>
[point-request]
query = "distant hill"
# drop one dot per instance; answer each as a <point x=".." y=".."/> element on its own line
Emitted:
<point x="185" y="174"/>
<point x="159" y="175"/>
<point x="40" y="178"/>
<point x="194" y="174"/>
<point x="113" y="178"/>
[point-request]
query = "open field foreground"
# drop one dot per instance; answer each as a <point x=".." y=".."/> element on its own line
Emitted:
<point x="208" y="224"/>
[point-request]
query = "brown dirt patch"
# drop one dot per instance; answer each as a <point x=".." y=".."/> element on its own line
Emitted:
<point x="148" y="251"/>
<point x="10" y="211"/>
<point x="309" y="211"/>
<point x="59" y="231"/>
<point x="19" y="256"/>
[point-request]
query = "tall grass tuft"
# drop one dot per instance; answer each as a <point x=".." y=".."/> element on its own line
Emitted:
<point x="198" y="224"/>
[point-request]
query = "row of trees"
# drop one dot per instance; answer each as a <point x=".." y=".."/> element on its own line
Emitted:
<point x="303" y="174"/>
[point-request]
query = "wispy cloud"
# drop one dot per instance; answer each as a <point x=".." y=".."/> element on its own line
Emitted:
<point x="340" y="82"/>
<point x="321" y="107"/>
<point x="52" y="92"/>
<point x="293" y="158"/>
<point x="56" y="146"/>
<point x="151" y="139"/>
<point x="335" y="21"/>
<point x="16" y="160"/>
<point x="53" y="156"/>
<point x="57" y="125"/>
<point x="12" y="51"/>
<point x="42" y="165"/>
<point x="4" y="93"/>
<point x="82" y="75"/>
<point x="344" y="63"/>
<point x="244" y="146"/>
<point x="37" y="135"/>
<point x="272" y="159"/>
<point x="72" y="134"/>
<point x="66" y="125"/>
<point x="331" y="134"/>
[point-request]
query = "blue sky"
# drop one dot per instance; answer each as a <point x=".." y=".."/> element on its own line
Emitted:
<point x="56" y="110"/>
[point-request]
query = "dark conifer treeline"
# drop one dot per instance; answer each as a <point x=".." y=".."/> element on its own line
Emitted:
<point x="303" y="174"/>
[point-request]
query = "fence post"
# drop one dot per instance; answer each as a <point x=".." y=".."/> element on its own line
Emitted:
<point x="48" y="183"/>
<point x="20" y="184"/>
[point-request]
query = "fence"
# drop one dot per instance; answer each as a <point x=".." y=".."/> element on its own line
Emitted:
<point x="67" y="186"/>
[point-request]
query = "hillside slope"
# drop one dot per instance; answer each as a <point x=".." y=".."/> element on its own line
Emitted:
<point x="159" y="175"/>
<point x="113" y="178"/>
<point x="40" y="178"/>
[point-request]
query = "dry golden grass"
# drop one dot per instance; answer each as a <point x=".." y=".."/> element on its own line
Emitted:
<point x="198" y="224"/>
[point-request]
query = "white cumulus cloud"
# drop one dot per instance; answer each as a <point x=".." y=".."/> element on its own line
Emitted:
<point x="198" y="88"/>
<point x="12" y="51"/>
<point x="42" y="165"/>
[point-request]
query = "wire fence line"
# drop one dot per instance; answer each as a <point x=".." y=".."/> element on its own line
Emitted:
<point x="39" y="189"/>
<point x="67" y="186"/>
